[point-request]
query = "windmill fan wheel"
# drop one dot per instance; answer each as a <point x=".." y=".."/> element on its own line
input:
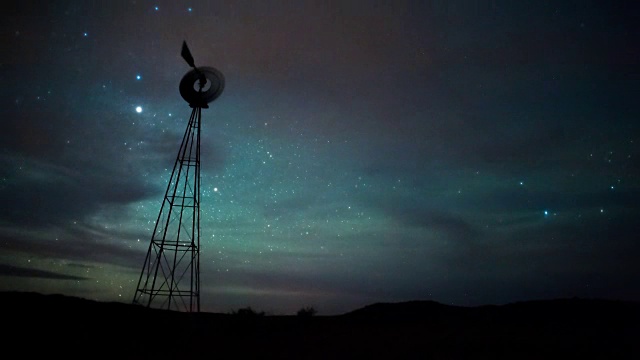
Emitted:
<point x="197" y="94"/>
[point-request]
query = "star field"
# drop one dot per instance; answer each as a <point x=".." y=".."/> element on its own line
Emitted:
<point x="360" y="152"/>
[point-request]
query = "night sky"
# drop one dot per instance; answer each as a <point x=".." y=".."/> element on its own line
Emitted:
<point x="361" y="152"/>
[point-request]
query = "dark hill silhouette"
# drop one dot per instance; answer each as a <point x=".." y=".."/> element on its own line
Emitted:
<point x="578" y="311"/>
<point x="51" y="325"/>
<point x="411" y="310"/>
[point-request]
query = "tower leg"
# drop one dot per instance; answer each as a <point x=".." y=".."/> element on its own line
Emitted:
<point x="170" y="277"/>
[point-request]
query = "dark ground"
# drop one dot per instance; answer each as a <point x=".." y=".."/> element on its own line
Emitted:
<point x="55" y="325"/>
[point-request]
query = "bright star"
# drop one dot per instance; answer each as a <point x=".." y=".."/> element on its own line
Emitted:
<point x="156" y="8"/>
<point x="215" y="189"/>
<point x="85" y="34"/>
<point x="546" y="213"/>
<point x="139" y="109"/>
<point x="189" y="9"/>
<point x="138" y="77"/>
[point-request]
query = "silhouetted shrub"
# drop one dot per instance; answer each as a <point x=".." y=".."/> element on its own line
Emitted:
<point x="307" y="311"/>
<point x="247" y="312"/>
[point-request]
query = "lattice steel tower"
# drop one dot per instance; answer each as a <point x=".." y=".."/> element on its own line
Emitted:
<point x="170" y="277"/>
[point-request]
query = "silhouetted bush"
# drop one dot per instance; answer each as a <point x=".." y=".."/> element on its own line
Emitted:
<point x="307" y="311"/>
<point x="247" y="312"/>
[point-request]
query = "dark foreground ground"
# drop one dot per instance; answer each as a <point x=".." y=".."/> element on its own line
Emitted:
<point x="55" y="325"/>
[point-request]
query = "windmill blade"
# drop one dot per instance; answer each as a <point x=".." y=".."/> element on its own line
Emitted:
<point x="186" y="55"/>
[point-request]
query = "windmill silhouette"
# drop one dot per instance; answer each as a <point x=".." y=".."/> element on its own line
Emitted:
<point x="170" y="277"/>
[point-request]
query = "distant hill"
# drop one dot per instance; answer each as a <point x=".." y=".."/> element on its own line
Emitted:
<point x="50" y="325"/>
<point x="573" y="310"/>
<point x="406" y="310"/>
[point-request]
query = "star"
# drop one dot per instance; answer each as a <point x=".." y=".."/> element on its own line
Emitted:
<point x="138" y="109"/>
